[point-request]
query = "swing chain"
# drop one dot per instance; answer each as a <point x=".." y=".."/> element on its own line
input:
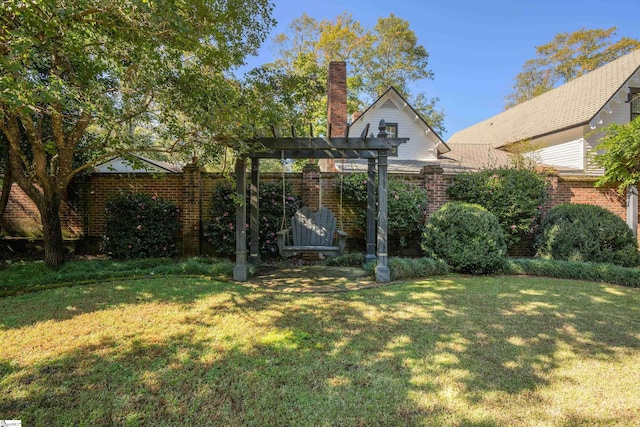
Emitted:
<point x="284" y="208"/>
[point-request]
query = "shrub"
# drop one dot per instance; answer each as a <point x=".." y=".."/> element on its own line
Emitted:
<point x="219" y="228"/>
<point x="467" y="237"/>
<point x="353" y="259"/>
<point x="140" y="226"/>
<point x="586" y="233"/>
<point x="514" y="196"/>
<point x="406" y="208"/>
<point x="593" y="272"/>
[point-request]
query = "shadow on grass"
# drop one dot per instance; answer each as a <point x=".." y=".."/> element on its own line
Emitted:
<point x="65" y="303"/>
<point x="431" y="352"/>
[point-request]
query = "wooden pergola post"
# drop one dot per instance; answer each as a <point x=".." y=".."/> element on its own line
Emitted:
<point x="383" y="275"/>
<point x="370" y="254"/>
<point x="241" y="271"/>
<point x="254" y="246"/>
<point x="632" y="209"/>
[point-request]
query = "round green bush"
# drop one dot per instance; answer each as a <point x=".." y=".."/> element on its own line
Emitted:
<point x="141" y="226"/>
<point x="465" y="236"/>
<point x="586" y="233"/>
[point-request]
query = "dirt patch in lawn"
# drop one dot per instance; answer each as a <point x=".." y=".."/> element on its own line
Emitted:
<point x="312" y="279"/>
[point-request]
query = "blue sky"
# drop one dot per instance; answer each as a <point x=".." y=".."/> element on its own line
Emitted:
<point x="476" y="48"/>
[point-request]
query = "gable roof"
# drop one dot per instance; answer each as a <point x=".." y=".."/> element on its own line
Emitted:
<point x="570" y="105"/>
<point x="417" y="115"/>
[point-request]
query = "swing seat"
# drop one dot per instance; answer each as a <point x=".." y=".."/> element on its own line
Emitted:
<point x="312" y="232"/>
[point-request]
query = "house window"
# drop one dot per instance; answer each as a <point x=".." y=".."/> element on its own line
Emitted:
<point x="634" y="97"/>
<point x="392" y="130"/>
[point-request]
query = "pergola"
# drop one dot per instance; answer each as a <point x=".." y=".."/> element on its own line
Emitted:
<point x="374" y="148"/>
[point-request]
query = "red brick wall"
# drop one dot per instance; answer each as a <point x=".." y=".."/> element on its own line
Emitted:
<point x="22" y="218"/>
<point x="436" y="184"/>
<point x="103" y="187"/>
<point x="581" y="190"/>
<point x="565" y="189"/>
<point x="84" y="212"/>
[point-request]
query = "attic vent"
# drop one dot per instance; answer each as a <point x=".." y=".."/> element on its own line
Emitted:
<point x="389" y="104"/>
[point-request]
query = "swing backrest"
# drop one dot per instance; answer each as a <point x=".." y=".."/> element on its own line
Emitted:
<point x="313" y="228"/>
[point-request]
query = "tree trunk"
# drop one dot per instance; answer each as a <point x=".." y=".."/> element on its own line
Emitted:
<point x="53" y="245"/>
<point x="6" y="189"/>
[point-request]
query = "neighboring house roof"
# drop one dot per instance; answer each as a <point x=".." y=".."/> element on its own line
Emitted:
<point x="119" y="164"/>
<point x="463" y="158"/>
<point x="573" y="104"/>
<point x="442" y="146"/>
<point x="473" y="157"/>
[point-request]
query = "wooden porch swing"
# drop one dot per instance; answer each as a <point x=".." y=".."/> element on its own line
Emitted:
<point x="310" y="232"/>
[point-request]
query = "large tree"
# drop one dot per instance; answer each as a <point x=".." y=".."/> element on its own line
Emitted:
<point x="392" y="58"/>
<point x="388" y="54"/>
<point x="567" y="56"/>
<point x="83" y="80"/>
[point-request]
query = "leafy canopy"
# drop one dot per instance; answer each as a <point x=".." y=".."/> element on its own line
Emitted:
<point x="388" y="54"/>
<point x="567" y="56"/>
<point x="83" y="80"/>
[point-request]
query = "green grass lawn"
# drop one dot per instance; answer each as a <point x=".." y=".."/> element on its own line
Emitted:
<point x="476" y="351"/>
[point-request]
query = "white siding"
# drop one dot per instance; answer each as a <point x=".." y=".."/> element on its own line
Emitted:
<point x="422" y="145"/>
<point x="569" y="154"/>
<point x="590" y="150"/>
<point x="617" y="110"/>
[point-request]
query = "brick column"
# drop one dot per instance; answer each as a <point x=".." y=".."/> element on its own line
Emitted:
<point x="311" y="186"/>
<point x="436" y="187"/>
<point x="192" y="208"/>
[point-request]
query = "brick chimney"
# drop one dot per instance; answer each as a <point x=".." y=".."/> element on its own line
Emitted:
<point x="337" y="99"/>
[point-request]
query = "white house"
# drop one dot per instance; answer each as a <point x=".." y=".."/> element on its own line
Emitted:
<point x="560" y="128"/>
<point x="402" y="121"/>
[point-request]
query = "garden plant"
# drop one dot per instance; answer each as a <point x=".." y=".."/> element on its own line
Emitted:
<point x="140" y="225"/>
<point x="465" y="236"/>
<point x="407" y="207"/>
<point x="576" y="232"/>
<point x="219" y="227"/>
<point x="516" y="196"/>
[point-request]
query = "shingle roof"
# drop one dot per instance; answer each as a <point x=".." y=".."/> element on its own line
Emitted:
<point x="394" y="166"/>
<point x="473" y="157"/>
<point x="573" y="104"/>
